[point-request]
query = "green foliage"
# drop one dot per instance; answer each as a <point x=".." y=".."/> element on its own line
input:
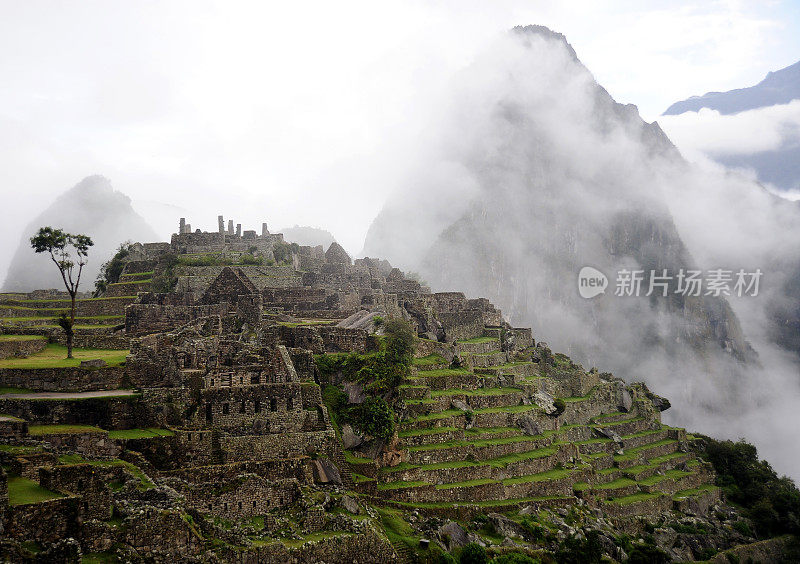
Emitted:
<point x="283" y="251"/>
<point x="772" y="502"/>
<point x="560" y="406"/>
<point x="111" y="270"/>
<point x="438" y="556"/>
<point x="249" y="259"/>
<point x="204" y="260"/>
<point x="378" y="321"/>
<point x="473" y="553"/>
<point x="164" y="278"/>
<point x="743" y="527"/>
<point x="538" y="531"/>
<point x="375" y="417"/>
<point x="580" y="551"/>
<point x="647" y="554"/>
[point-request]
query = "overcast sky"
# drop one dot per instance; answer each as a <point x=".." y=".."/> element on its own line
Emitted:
<point x="301" y="112"/>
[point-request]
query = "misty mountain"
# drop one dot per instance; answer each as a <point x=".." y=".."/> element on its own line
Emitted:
<point x="779" y="87"/>
<point x="777" y="165"/>
<point x="91" y="207"/>
<point x="534" y="172"/>
<point x="305" y="235"/>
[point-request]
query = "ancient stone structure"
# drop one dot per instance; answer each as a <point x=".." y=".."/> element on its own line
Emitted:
<point x="213" y="435"/>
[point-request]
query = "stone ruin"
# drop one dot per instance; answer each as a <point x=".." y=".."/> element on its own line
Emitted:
<point x="217" y="415"/>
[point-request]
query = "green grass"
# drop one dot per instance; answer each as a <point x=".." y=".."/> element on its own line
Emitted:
<point x="144" y="482"/>
<point x="554" y="474"/>
<point x="666" y="458"/>
<point x="22" y="491"/>
<point x="498" y="462"/>
<point x="147" y="433"/>
<point x="443" y="372"/>
<point x="478" y="340"/>
<point x="17" y="450"/>
<point x="55" y="356"/>
<point x="618" y="483"/>
<point x="22" y="337"/>
<point x="485" y="503"/>
<point x="477" y="392"/>
<point x="429" y="360"/>
<point x="683" y="494"/>
<point x="478" y="443"/>
<point x="396" y="528"/>
<point x="668" y="475"/>
<point x="349" y="457"/>
<point x="635" y="498"/>
<point x="10" y="390"/>
<point x="403" y="484"/>
<point x="62" y="429"/>
<point x="466" y="483"/>
<point x="424" y="432"/>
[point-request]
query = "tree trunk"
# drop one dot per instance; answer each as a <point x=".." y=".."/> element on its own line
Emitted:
<point x="71" y="330"/>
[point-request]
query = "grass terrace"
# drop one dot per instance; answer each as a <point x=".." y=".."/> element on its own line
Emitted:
<point x="22" y="337"/>
<point x="148" y="433"/>
<point x="63" y="429"/>
<point x="55" y="356"/>
<point x="478" y="340"/>
<point x="22" y="491"/>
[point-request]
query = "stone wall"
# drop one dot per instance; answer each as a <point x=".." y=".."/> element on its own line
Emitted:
<point x="108" y="413"/>
<point x="90" y="445"/>
<point x="242" y="496"/>
<point x="63" y="379"/>
<point x="21" y="348"/>
<point x="145" y="319"/>
<point x="461" y="325"/>
<point x="46" y="521"/>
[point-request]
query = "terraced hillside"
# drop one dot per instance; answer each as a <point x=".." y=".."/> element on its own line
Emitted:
<point x="511" y="429"/>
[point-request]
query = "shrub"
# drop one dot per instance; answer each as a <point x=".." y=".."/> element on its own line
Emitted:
<point x="580" y="551"/>
<point x="111" y="270"/>
<point x="647" y="554"/>
<point x="283" y="251"/>
<point x="249" y="259"/>
<point x="560" y="406"/>
<point x="743" y="528"/>
<point x="473" y="553"/>
<point x="772" y="502"/>
<point x="164" y="279"/>
<point x="375" y="418"/>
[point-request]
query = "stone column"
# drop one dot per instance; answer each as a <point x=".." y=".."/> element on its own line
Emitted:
<point x="230" y="227"/>
<point x="221" y="224"/>
<point x="238" y="229"/>
<point x="182" y="226"/>
<point x="264" y="230"/>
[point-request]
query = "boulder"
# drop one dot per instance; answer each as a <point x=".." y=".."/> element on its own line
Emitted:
<point x="453" y="535"/>
<point x="625" y="401"/>
<point x="546" y="402"/>
<point x="326" y="472"/>
<point x="528" y="425"/>
<point x="350" y="505"/>
<point x="355" y="393"/>
<point x="458" y="404"/>
<point x="350" y="439"/>
<point x="506" y="527"/>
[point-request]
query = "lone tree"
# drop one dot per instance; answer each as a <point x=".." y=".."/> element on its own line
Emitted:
<point x="58" y="244"/>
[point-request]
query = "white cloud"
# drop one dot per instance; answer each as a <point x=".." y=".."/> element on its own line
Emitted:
<point x="708" y="132"/>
